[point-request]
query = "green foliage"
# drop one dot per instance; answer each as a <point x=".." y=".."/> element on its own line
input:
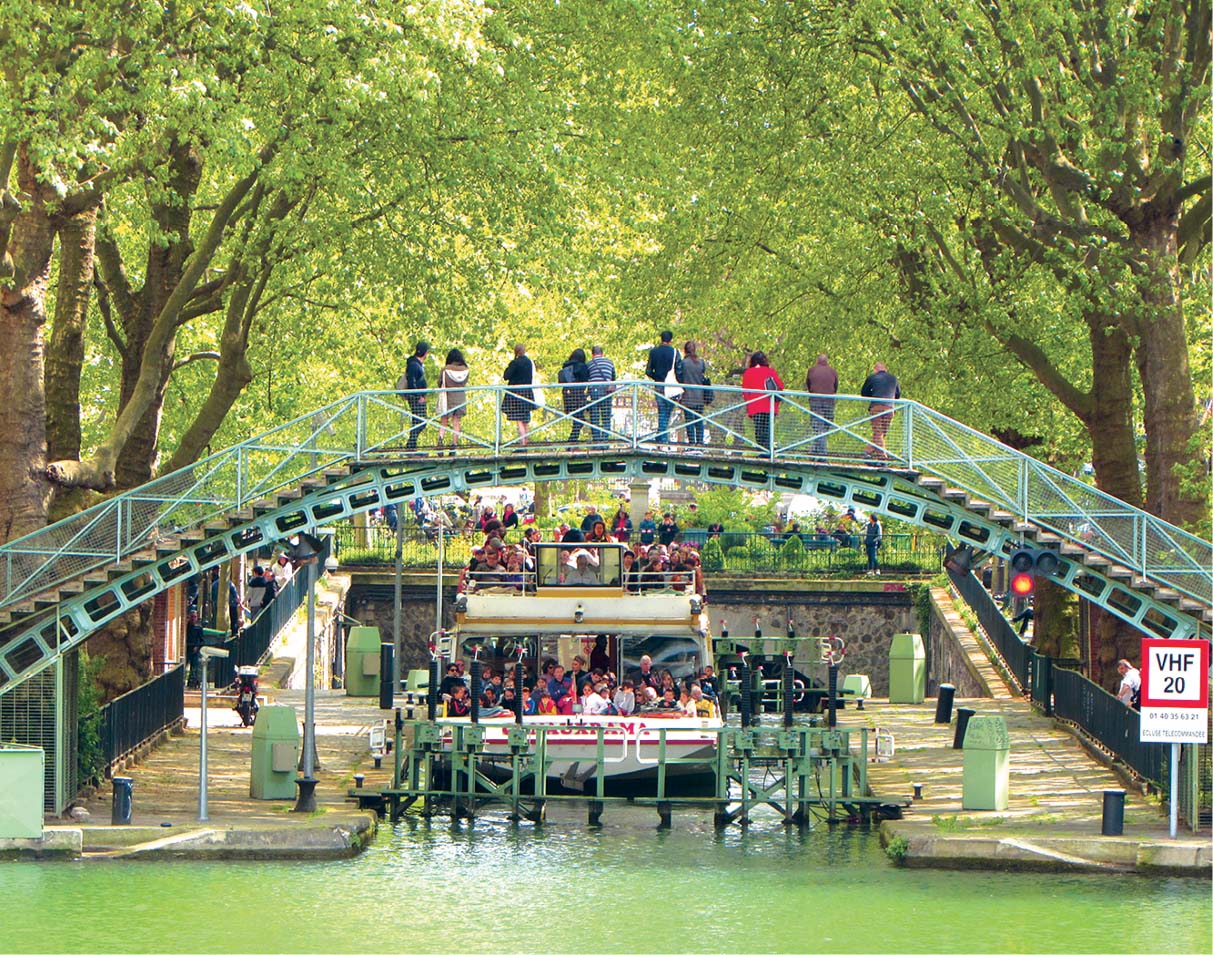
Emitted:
<point x="897" y="849"/>
<point x="737" y="556"/>
<point x="90" y="760"/>
<point x="792" y="555"/>
<point x="735" y="508"/>
<point x="712" y="556"/>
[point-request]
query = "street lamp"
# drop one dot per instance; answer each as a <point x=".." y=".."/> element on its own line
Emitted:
<point x="205" y="653"/>
<point x="307" y="552"/>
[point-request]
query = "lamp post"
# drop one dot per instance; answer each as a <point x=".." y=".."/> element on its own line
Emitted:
<point x="205" y="654"/>
<point x="305" y="549"/>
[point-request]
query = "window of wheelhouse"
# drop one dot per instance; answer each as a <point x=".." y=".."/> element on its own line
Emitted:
<point x="579" y="565"/>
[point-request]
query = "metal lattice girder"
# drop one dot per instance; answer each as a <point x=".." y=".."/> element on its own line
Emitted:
<point x="32" y="644"/>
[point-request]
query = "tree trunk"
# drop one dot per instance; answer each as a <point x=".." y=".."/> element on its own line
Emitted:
<point x="1170" y="416"/>
<point x="1110" y="419"/>
<point x="65" y="352"/>
<point x="24" y="489"/>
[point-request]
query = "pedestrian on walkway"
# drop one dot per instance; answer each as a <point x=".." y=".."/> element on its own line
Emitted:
<point x="519" y="399"/>
<point x="821" y="380"/>
<point x="761" y="385"/>
<point x="574" y="374"/>
<point x="663" y="367"/>
<point x="452" y="398"/>
<point x="412" y="385"/>
<point x="1130" y="684"/>
<point x="694" y="378"/>
<point x="872" y="539"/>
<point x="602" y="372"/>
<point x="882" y="388"/>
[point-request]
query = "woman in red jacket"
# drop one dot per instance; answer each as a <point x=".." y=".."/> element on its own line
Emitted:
<point x="761" y="386"/>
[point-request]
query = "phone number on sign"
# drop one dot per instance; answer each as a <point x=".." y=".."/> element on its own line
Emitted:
<point x="1169" y="715"/>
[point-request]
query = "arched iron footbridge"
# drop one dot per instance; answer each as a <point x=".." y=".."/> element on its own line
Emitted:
<point x="63" y="582"/>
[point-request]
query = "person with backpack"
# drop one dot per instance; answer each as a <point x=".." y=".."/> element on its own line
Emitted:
<point x="761" y="385"/>
<point x="574" y="374"/>
<point x="1130" y="684"/>
<point x="452" y="398"/>
<point x="412" y="385"/>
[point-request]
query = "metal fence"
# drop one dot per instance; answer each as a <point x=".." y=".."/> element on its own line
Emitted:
<point x="254" y="641"/>
<point x="849" y="431"/>
<point x="740" y="551"/>
<point x="1015" y="653"/>
<point x="1064" y="692"/>
<point x="1105" y="718"/>
<point x="137" y="716"/>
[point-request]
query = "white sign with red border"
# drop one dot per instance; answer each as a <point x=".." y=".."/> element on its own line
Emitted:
<point x="1174" y="691"/>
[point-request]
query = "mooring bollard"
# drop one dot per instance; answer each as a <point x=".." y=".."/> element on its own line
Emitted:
<point x="943" y="706"/>
<point x="1113" y="812"/>
<point x="358" y="779"/>
<point x="963" y="714"/>
<point x="917" y="791"/>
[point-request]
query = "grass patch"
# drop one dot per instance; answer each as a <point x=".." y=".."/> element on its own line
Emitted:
<point x="897" y="850"/>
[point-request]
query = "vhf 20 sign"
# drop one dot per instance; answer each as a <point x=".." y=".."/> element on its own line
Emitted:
<point x="1174" y="691"/>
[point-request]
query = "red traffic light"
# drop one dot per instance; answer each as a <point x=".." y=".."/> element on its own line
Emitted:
<point x="1022" y="584"/>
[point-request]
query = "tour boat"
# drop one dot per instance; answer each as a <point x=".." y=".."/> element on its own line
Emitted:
<point x="573" y="598"/>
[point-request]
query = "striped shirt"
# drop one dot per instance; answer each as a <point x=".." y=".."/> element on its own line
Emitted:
<point x="601" y="369"/>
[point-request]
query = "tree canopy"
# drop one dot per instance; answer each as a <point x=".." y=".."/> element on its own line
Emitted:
<point x="213" y="218"/>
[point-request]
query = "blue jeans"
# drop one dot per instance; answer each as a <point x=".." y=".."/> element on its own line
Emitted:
<point x="823" y="420"/>
<point x="694" y="424"/>
<point x="871" y="549"/>
<point x="665" y="408"/>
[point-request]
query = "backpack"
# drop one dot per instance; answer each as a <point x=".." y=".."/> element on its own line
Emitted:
<point x="566" y="375"/>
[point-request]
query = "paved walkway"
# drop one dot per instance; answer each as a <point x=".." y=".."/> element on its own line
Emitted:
<point x="1054" y="812"/>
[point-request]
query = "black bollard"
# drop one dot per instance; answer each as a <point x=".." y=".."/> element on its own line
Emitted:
<point x="943" y="706"/>
<point x="747" y="699"/>
<point x="963" y="713"/>
<point x="917" y="790"/>
<point x="788" y="702"/>
<point x="1113" y="812"/>
<point x="431" y="696"/>
<point x="359" y="779"/>
<point x="832" y="715"/>
<point x="120" y="811"/>
<point x="475" y="690"/>
<point x="387" y="676"/>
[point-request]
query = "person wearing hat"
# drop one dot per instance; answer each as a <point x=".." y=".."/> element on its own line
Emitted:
<point x="413" y="384"/>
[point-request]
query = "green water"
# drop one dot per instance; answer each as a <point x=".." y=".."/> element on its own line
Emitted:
<point x="625" y="888"/>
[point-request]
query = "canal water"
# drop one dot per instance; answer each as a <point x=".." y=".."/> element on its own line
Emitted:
<point x="626" y="887"/>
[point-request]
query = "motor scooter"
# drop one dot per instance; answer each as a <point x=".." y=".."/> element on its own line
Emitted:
<point x="246" y="695"/>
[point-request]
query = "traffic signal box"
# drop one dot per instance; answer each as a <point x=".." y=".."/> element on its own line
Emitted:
<point x="1028" y="563"/>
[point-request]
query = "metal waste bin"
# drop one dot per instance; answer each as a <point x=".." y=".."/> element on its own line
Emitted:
<point x="987" y="763"/>
<point x="123" y="802"/>
<point x="907" y="669"/>
<point x="362" y="662"/>
<point x="275" y="753"/>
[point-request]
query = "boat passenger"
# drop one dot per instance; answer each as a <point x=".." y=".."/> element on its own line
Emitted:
<point x="489" y="707"/>
<point x="599" y="658"/>
<point x="459" y="704"/>
<point x="667" y="701"/>
<point x="646" y="675"/>
<point x="687" y="704"/>
<point x="593" y="703"/>
<point x="529" y="705"/>
<point x="450" y="681"/>
<point x="709" y="683"/>
<point x="598" y="534"/>
<point x="668" y="682"/>
<point x="559" y="686"/>
<point x="631" y="574"/>
<point x="582" y="574"/>
<point x="653" y="576"/>
<point x="625" y="699"/>
<point x="546" y="705"/>
<point x="703" y="706"/>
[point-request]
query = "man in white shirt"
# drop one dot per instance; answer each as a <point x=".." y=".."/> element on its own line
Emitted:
<point x="1130" y="683"/>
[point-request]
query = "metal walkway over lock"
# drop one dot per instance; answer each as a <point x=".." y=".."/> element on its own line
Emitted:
<point x="63" y="582"/>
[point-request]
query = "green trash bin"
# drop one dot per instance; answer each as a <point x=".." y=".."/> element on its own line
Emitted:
<point x="275" y="753"/>
<point x="362" y="662"/>
<point x="22" y="782"/>
<point x="907" y="669"/>
<point x="987" y="763"/>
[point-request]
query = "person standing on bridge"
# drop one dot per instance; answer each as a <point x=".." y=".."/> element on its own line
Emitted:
<point x="602" y="372"/>
<point x="883" y="389"/>
<point x="821" y="380"/>
<point x="413" y="384"/>
<point x="872" y="539"/>
<point x="452" y="398"/>
<point x="761" y="384"/>
<point x="520" y="397"/>
<point x="664" y="367"/>
<point x="695" y="377"/>
<point x="574" y="374"/>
